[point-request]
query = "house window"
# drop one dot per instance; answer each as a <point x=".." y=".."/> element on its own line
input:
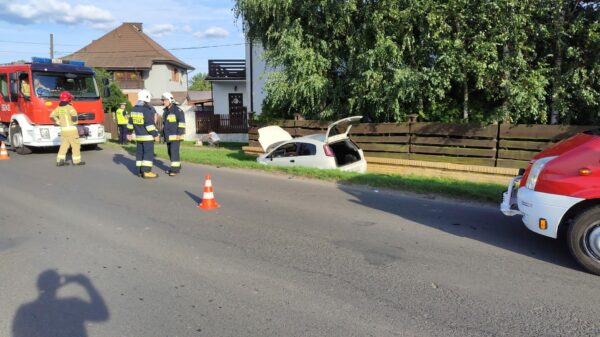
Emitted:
<point x="126" y="76"/>
<point x="175" y="75"/>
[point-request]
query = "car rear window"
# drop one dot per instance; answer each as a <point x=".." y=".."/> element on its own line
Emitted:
<point x="307" y="149"/>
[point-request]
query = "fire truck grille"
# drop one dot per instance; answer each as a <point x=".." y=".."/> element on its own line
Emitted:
<point x="87" y="116"/>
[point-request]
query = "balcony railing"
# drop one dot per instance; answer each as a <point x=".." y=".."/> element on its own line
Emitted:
<point x="234" y="123"/>
<point x="130" y="84"/>
<point x="226" y="69"/>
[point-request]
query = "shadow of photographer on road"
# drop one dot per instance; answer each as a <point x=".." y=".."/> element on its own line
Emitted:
<point x="50" y="316"/>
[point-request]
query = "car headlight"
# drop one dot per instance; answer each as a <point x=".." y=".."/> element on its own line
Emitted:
<point x="100" y="131"/>
<point x="536" y="169"/>
<point x="45" y="133"/>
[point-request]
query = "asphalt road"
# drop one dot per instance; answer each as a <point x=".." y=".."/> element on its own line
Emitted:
<point x="118" y="256"/>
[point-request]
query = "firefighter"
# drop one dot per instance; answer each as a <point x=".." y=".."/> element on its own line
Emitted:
<point x="25" y="88"/>
<point x="173" y="131"/>
<point x="122" y="121"/>
<point x="65" y="116"/>
<point x="141" y="120"/>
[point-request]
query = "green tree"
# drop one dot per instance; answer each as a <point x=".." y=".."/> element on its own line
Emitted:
<point x="110" y="104"/>
<point x="199" y="82"/>
<point x="456" y="60"/>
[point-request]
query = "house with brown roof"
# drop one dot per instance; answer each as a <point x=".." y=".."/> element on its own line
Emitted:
<point x="137" y="62"/>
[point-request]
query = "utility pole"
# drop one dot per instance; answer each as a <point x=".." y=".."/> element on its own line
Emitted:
<point x="51" y="46"/>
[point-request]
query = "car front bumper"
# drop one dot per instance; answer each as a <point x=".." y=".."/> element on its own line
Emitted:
<point x="533" y="206"/>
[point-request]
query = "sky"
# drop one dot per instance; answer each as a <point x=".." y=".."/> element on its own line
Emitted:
<point x="192" y="30"/>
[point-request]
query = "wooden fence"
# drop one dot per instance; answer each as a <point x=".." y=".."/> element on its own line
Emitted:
<point x="498" y="145"/>
<point x="233" y="123"/>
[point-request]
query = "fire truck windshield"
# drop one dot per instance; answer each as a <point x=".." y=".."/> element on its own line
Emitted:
<point x="50" y="85"/>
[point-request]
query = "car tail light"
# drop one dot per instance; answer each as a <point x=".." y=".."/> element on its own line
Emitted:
<point x="328" y="151"/>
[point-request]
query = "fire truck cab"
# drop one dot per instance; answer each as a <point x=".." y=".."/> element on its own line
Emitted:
<point x="559" y="195"/>
<point x="29" y="92"/>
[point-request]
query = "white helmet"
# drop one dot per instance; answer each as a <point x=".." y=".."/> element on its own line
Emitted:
<point x="144" y="96"/>
<point x="169" y="96"/>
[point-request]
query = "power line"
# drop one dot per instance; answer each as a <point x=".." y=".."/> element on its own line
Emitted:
<point x="152" y="50"/>
<point x="203" y="47"/>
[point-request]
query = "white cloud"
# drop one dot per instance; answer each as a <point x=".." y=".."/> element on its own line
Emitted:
<point x="37" y="11"/>
<point x="213" y="32"/>
<point x="187" y="29"/>
<point x="161" y="30"/>
<point x="106" y="26"/>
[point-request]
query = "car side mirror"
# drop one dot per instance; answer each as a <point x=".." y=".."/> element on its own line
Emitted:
<point x="106" y="91"/>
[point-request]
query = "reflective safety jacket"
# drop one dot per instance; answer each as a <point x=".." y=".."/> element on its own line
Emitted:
<point x="141" y="121"/>
<point x="65" y="116"/>
<point x="121" y="116"/>
<point x="173" y="123"/>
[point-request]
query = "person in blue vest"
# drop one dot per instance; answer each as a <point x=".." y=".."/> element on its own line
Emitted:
<point x="173" y="131"/>
<point x="141" y="121"/>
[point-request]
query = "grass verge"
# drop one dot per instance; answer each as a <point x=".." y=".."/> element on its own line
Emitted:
<point x="231" y="155"/>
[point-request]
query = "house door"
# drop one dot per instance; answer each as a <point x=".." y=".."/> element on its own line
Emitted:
<point x="236" y="103"/>
<point x="237" y="120"/>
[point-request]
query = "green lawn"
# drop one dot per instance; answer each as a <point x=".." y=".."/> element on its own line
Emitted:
<point x="231" y="155"/>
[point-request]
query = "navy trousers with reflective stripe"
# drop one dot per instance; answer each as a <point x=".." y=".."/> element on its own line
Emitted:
<point x="122" y="133"/>
<point x="144" y="156"/>
<point x="173" y="148"/>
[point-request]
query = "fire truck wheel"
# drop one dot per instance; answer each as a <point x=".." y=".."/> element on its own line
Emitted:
<point x="583" y="239"/>
<point x="16" y="140"/>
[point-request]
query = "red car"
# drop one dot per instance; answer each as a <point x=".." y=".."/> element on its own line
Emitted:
<point x="560" y="189"/>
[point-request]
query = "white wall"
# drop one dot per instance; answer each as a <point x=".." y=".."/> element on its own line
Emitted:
<point x="221" y="91"/>
<point x="158" y="79"/>
<point x="256" y="73"/>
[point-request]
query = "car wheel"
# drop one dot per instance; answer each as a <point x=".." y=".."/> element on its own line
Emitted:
<point x="584" y="240"/>
<point x="16" y="141"/>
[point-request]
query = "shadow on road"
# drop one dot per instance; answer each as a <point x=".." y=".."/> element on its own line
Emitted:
<point x="130" y="163"/>
<point x="50" y="316"/>
<point x="127" y="162"/>
<point x="194" y="197"/>
<point x="484" y="224"/>
<point x="161" y="165"/>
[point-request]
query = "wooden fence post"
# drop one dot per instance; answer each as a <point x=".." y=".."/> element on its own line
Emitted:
<point x="497" y="146"/>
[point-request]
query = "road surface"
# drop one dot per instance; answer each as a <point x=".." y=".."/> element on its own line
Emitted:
<point x="96" y="251"/>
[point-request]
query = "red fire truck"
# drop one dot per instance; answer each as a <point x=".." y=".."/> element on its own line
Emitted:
<point x="30" y="91"/>
<point x="559" y="195"/>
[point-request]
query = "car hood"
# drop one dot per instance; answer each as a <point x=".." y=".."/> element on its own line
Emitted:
<point x="335" y="130"/>
<point x="270" y="135"/>
<point x="566" y="145"/>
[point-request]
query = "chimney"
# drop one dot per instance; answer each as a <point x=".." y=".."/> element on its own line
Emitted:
<point x="137" y="25"/>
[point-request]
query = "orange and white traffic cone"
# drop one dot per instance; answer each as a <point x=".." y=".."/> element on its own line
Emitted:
<point x="208" y="198"/>
<point x="3" y="152"/>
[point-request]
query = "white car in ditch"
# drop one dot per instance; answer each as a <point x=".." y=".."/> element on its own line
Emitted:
<point x="331" y="150"/>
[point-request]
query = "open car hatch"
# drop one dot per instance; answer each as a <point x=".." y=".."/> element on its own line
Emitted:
<point x="272" y="135"/>
<point x="336" y="131"/>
